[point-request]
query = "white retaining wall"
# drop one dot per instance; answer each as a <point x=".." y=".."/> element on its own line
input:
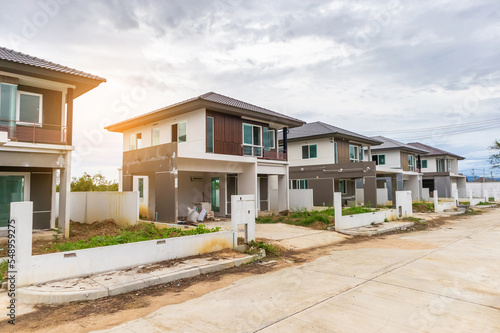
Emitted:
<point x="403" y="209"/>
<point x="56" y="266"/>
<point x="301" y="199"/>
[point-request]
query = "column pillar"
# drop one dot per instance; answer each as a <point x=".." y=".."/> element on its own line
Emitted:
<point x="64" y="199"/>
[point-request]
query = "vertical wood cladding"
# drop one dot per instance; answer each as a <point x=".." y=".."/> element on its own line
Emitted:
<point x="228" y="134"/>
<point x="343" y="151"/>
<point x="404" y="162"/>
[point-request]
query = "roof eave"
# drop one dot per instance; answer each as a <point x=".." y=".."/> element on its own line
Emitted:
<point x="196" y="104"/>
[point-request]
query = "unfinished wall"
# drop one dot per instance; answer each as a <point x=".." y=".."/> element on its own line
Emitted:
<point x="88" y="207"/>
<point x="301" y="199"/>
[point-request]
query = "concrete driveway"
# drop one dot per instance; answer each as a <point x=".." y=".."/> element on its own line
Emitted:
<point x="444" y="280"/>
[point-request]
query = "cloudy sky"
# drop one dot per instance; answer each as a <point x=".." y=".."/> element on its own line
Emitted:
<point x="425" y="71"/>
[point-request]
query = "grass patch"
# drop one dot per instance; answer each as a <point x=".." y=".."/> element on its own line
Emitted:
<point x="423" y="207"/>
<point x="137" y="233"/>
<point x="317" y="219"/>
<point x="482" y="203"/>
<point x="471" y="211"/>
<point x="4" y="267"/>
<point x="270" y="249"/>
<point x="357" y="210"/>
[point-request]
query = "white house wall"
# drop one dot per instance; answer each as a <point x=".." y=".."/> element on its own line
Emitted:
<point x="392" y="157"/>
<point x="195" y="132"/>
<point x="325" y="152"/>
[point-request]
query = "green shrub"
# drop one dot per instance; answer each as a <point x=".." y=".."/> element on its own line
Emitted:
<point x="357" y="210"/>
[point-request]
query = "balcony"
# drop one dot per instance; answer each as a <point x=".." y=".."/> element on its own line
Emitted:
<point x="275" y="155"/>
<point x="33" y="132"/>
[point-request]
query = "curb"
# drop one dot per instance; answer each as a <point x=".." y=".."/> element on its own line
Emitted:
<point x="29" y="296"/>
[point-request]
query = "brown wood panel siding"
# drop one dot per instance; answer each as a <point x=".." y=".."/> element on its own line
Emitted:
<point x="343" y="151"/>
<point x="404" y="162"/>
<point x="228" y="133"/>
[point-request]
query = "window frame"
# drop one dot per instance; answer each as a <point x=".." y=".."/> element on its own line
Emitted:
<point x="179" y="131"/>
<point x="309" y="151"/>
<point x="213" y="134"/>
<point x="253" y="146"/>
<point x="377" y="159"/>
<point x="343" y="189"/>
<point x="335" y="153"/>
<point x="411" y="162"/>
<point x="140" y="187"/>
<point x="422" y="162"/>
<point x="356" y="153"/>
<point x="18" y="109"/>
<point x="14" y="107"/>
<point x="300" y="184"/>
<point x="138" y="140"/>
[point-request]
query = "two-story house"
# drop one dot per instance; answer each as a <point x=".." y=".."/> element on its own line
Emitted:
<point x="36" y="130"/>
<point x="440" y="171"/>
<point x="397" y="167"/>
<point x="202" y="151"/>
<point x="330" y="159"/>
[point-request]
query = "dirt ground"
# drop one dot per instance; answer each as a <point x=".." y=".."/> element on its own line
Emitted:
<point x="111" y="311"/>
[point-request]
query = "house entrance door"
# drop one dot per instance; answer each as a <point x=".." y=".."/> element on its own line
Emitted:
<point x="232" y="189"/>
<point x="215" y="194"/>
<point x="11" y="190"/>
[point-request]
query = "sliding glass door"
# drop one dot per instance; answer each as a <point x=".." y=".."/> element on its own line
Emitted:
<point x="11" y="190"/>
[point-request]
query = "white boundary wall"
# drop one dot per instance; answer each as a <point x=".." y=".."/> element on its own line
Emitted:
<point x="56" y="266"/>
<point x="481" y="189"/>
<point x="441" y="206"/>
<point x="403" y="209"/>
<point x="301" y="199"/>
<point x="425" y="194"/>
<point x="88" y="207"/>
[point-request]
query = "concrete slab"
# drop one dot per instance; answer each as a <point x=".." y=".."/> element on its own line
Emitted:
<point x="377" y="229"/>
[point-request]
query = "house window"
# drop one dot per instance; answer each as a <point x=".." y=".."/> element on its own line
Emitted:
<point x="424" y="164"/>
<point x="8" y="93"/>
<point x="155" y="136"/>
<point x="138" y="140"/>
<point x="335" y="153"/>
<point x="300" y="184"/>
<point x="379" y="159"/>
<point x="210" y="134"/>
<point x="132" y="142"/>
<point x="442" y="165"/>
<point x="269" y="139"/>
<point x="411" y="162"/>
<point x="355" y="154"/>
<point x="252" y="140"/>
<point x="141" y="188"/>
<point x="343" y="186"/>
<point x="309" y="151"/>
<point x="182" y="128"/>
<point x="29" y="108"/>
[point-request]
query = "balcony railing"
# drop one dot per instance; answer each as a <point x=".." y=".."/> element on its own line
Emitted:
<point x="33" y="132"/>
<point x="274" y="154"/>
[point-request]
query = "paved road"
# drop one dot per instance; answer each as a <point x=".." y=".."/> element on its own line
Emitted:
<point x="445" y="280"/>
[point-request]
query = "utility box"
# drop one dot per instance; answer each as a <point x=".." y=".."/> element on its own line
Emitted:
<point x="243" y="212"/>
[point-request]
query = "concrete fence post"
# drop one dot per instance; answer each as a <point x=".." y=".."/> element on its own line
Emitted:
<point x="21" y="220"/>
<point x="455" y="196"/>
<point x="404" y="205"/>
<point x="337" y="205"/>
<point x="436" y="201"/>
<point x="486" y="196"/>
